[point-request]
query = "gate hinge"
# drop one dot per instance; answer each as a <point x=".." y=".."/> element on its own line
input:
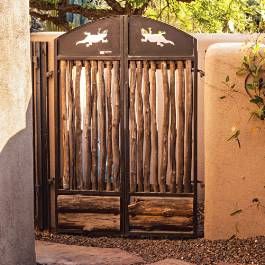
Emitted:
<point x="49" y="74"/>
<point x="201" y="72"/>
<point x="51" y="180"/>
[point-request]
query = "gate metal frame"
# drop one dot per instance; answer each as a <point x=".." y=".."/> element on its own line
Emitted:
<point x="125" y="193"/>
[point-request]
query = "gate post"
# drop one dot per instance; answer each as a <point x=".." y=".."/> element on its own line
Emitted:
<point x="16" y="150"/>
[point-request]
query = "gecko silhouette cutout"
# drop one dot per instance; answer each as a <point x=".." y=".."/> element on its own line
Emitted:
<point x="157" y="38"/>
<point x="90" y="39"/>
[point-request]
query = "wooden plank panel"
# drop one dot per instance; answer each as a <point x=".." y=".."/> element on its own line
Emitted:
<point x="165" y="126"/>
<point x="188" y="128"/>
<point x="158" y="206"/>
<point x="140" y="126"/>
<point x="147" y="127"/>
<point x="78" y="130"/>
<point x="133" y="129"/>
<point x="87" y="129"/>
<point x="109" y="123"/>
<point x="65" y="142"/>
<point x="94" y="149"/>
<point x="83" y="203"/>
<point x="116" y="126"/>
<point x="154" y="133"/>
<point x="172" y="133"/>
<point x="102" y="126"/>
<point x="89" y="221"/>
<point x="180" y="126"/>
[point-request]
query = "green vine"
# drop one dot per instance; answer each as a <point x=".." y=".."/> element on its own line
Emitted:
<point x="253" y="68"/>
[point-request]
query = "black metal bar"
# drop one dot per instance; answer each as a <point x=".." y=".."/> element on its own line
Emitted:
<point x="159" y="58"/>
<point x="195" y="138"/>
<point x="80" y="58"/>
<point x="87" y="192"/>
<point x="158" y="194"/>
<point x="56" y="128"/>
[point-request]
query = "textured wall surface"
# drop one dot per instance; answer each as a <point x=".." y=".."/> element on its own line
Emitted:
<point x="16" y="150"/>
<point x="234" y="177"/>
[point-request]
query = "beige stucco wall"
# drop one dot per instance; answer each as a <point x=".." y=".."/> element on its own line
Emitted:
<point x="16" y="150"/>
<point x="234" y="176"/>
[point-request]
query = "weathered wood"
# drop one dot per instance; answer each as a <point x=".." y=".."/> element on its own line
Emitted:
<point x="87" y="129"/>
<point x="71" y="124"/>
<point x="78" y="130"/>
<point x="172" y="133"/>
<point x="157" y="222"/>
<point x="157" y="206"/>
<point x="94" y="149"/>
<point x="164" y="138"/>
<point x="140" y="126"/>
<point x="89" y="221"/>
<point x="82" y="203"/>
<point x="133" y="129"/>
<point x="102" y="126"/>
<point x="116" y="126"/>
<point x="147" y="127"/>
<point x="180" y="126"/>
<point x="188" y="128"/>
<point x="64" y="132"/>
<point x="154" y="133"/>
<point x="109" y="123"/>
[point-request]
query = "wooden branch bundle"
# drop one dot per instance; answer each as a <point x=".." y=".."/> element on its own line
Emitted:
<point x="147" y="127"/>
<point x="154" y="133"/>
<point x="94" y="172"/>
<point x="116" y="126"/>
<point x="140" y="126"/>
<point x="102" y="126"/>
<point x="65" y="139"/>
<point x="172" y="133"/>
<point x="188" y="128"/>
<point x="78" y="130"/>
<point x="180" y="126"/>
<point x="164" y="140"/>
<point x="133" y="129"/>
<point x="71" y="124"/>
<point x="87" y="129"/>
<point x="109" y="123"/>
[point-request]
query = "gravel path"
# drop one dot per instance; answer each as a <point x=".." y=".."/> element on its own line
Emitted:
<point x="198" y="251"/>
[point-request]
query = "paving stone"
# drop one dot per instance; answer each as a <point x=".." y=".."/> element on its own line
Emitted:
<point x="59" y="254"/>
<point x="171" y="262"/>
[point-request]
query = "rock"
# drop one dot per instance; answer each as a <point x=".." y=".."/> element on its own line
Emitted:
<point x="59" y="254"/>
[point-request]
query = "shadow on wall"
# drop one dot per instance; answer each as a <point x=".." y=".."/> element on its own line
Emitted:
<point x="16" y="197"/>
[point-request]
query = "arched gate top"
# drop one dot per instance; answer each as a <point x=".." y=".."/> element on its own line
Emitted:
<point x="142" y="37"/>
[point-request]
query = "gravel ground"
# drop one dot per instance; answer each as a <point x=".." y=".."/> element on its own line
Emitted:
<point x="198" y="251"/>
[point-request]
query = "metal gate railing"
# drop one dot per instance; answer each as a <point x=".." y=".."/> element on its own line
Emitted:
<point x="126" y="128"/>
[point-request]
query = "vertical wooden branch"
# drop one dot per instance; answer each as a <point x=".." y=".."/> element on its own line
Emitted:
<point x="172" y="135"/>
<point x="87" y="129"/>
<point x="65" y="141"/>
<point x="180" y="126"/>
<point x="102" y="126"/>
<point x="154" y="133"/>
<point x="78" y="130"/>
<point x="109" y="122"/>
<point x="71" y="124"/>
<point x="164" y="140"/>
<point x="115" y="126"/>
<point x="133" y="130"/>
<point x="147" y="127"/>
<point x="188" y="128"/>
<point x="94" y="172"/>
<point x="140" y="126"/>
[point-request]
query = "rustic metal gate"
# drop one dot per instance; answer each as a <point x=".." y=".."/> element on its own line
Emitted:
<point x="126" y="128"/>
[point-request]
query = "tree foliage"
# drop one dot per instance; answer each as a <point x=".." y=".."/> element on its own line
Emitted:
<point x="192" y="16"/>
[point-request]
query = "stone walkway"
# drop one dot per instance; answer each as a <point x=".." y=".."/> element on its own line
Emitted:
<point x="60" y="254"/>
